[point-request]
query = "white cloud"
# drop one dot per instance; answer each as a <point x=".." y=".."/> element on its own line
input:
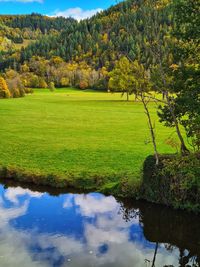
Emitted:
<point x="90" y="206"/>
<point x="13" y="194"/>
<point x="22" y="1"/>
<point x="76" y="13"/>
<point x="6" y="215"/>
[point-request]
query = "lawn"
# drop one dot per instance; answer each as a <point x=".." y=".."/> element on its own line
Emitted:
<point x="71" y="133"/>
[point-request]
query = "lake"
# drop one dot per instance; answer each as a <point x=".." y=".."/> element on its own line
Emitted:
<point x="43" y="227"/>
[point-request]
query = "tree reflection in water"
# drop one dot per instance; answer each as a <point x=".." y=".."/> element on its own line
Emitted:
<point x="173" y="228"/>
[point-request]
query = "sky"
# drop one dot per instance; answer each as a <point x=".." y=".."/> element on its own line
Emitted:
<point x="79" y="9"/>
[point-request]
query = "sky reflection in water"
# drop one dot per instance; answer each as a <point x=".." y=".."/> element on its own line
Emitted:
<point x="37" y="229"/>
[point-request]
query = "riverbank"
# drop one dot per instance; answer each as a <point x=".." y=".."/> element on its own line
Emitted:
<point x="174" y="183"/>
<point x="116" y="185"/>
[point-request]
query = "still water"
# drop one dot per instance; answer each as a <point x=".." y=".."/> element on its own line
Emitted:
<point x="54" y="229"/>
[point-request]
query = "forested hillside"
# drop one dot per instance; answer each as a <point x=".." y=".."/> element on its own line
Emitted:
<point x="59" y="52"/>
<point x="98" y="41"/>
<point x="90" y="47"/>
<point x="17" y="32"/>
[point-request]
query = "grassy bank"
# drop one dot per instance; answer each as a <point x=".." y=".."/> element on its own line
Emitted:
<point x="83" y="138"/>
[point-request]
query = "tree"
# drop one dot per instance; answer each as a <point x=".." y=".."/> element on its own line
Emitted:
<point x="157" y="45"/>
<point x="4" y="91"/>
<point x="121" y="79"/>
<point x="14" y="83"/>
<point x="186" y="70"/>
<point x="133" y="78"/>
<point x="51" y="86"/>
<point x="186" y="103"/>
<point x="142" y="88"/>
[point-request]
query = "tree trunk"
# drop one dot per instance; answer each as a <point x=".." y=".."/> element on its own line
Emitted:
<point x="184" y="149"/>
<point x="155" y="254"/>
<point x="135" y="97"/>
<point x="127" y="95"/>
<point x="151" y="129"/>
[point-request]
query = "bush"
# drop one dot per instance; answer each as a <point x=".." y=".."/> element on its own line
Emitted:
<point x="16" y="87"/>
<point x="175" y="182"/>
<point x="64" y="82"/>
<point x="4" y="91"/>
<point x="83" y="85"/>
<point x="28" y="90"/>
<point x="51" y="86"/>
<point x="42" y="83"/>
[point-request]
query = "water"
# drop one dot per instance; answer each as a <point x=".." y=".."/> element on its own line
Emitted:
<point x="57" y="229"/>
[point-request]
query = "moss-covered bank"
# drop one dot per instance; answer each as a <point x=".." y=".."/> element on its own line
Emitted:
<point x="175" y="182"/>
<point x="120" y="185"/>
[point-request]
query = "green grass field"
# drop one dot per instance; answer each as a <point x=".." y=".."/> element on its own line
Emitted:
<point x="71" y="133"/>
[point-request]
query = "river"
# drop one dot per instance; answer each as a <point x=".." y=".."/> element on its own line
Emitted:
<point x="47" y="228"/>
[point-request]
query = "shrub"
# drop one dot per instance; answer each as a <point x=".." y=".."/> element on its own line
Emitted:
<point x="42" y="83"/>
<point x="15" y="86"/>
<point x="175" y="182"/>
<point x="83" y="85"/>
<point x="28" y="90"/>
<point x="4" y="91"/>
<point x="51" y="86"/>
<point x="64" y="82"/>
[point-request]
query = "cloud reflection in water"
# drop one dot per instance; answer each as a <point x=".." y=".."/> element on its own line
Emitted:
<point x="37" y="229"/>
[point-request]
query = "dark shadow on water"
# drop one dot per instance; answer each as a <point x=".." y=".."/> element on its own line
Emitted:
<point x="39" y="188"/>
<point x="174" y="228"/>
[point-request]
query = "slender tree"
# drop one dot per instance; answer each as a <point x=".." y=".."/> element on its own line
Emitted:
<point x="142" y="87"/>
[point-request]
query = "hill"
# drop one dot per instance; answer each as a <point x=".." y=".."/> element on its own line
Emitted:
<point x="55" y="50"/>
<point x="18" y="31"/>
<point x="110" y="34"/>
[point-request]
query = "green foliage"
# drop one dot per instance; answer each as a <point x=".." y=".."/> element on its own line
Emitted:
<point x="185" y="70"/>
<point x="175" y="182"/>
<point x="52" y="86"/>
<point x="187" y="19"/>
<point x="121" y="77"/>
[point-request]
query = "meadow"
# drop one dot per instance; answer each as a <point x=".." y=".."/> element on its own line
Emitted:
<point x="71" y="133"/>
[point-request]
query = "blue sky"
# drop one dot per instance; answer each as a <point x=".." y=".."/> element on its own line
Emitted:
<point x="75" y="8"/>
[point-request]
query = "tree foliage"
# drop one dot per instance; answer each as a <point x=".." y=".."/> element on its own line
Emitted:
<point x="4" y="92"/>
